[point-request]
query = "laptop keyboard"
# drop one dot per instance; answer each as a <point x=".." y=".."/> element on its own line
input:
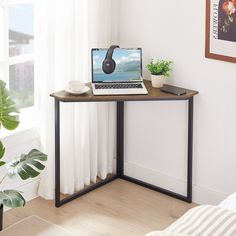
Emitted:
<point x="118" y="86"/>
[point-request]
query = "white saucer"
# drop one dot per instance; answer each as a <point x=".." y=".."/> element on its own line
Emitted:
<point x="84" y="90"/>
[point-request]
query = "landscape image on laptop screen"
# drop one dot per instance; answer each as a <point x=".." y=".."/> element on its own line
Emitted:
<point x="128" y="65"/>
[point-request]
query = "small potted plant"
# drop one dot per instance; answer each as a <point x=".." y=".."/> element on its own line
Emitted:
<point x="159" y="71"/>
<point x="26" y="166"/>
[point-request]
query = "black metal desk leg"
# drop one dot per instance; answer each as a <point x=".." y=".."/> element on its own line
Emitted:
<point x="190" y="150"/>
<point x="61" y="201"/>
<point x="120" y="139"/>
<point x="57" y="154"/>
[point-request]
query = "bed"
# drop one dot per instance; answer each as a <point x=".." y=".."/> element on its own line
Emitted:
<point x="205" y="220"/>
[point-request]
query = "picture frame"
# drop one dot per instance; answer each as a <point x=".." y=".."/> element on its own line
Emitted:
<point x="221" y="30"/>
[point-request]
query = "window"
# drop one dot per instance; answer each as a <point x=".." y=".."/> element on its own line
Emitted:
<point x="17" y="49"/>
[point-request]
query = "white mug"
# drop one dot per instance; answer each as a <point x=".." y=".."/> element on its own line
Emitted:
<point x="76" y="85"/>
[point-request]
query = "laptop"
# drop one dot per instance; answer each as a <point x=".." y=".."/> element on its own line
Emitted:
<point x="125" y="77"/>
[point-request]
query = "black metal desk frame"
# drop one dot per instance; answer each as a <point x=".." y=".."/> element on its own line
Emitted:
<point x="120" y="156"/>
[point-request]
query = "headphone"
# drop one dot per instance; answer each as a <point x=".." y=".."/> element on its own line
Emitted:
<point x="109" y="65"/>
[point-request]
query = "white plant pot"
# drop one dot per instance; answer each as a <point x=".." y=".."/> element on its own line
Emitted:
<point x="158" y="81"/>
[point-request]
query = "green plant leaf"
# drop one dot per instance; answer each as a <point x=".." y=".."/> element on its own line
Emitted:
<point x="8" y="111"/>
<point x="2" y="163"/>
<point x="2" y="150"/>
<point x="11" y="198"/>
<point x="27" y="165"/>
<point x="160" y="67"/>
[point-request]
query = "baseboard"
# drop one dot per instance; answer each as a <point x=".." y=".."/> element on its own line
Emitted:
<point x="29" y="190"/>
<point x="201" y="195"/>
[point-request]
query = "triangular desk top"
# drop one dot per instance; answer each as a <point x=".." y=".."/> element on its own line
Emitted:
<point x="153" y="94"/>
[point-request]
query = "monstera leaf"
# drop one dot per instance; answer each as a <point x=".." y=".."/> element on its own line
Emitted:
<point x="8" y="111"/>
<point x="27" y="165"/>
<point x="2" y="152"/>
<point x="11" y="198"/>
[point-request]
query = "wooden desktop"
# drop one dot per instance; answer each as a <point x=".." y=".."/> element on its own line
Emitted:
<point x="153" y="95"/>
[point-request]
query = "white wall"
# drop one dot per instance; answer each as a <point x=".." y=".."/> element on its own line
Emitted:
<point x="176" y="30"/>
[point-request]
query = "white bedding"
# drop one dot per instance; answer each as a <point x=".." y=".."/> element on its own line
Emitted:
<point x="163" y="233"/>
<point x="229" y="203"/>
<point x="226" y="211"/>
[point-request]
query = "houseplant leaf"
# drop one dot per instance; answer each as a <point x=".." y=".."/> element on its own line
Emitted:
<point x="27" y="165"/>
<point x="8" y="111"/>
<point x="2" y="152"/>
<point x="2" y="163"/>
<point x="11" y="198"/>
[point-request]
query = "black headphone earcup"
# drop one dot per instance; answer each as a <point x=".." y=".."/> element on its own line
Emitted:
<point x="108" y="66"/>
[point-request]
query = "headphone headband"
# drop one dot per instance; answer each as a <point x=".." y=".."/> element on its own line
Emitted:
<point x="110" y="51"/>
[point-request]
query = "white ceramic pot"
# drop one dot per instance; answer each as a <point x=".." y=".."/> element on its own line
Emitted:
<point x="158" y="81"/>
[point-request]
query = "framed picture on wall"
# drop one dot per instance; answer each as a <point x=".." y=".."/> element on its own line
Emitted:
<point x="221" y="30"/>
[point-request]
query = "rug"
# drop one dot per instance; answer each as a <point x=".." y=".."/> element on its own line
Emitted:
<point x="35" y="226"/>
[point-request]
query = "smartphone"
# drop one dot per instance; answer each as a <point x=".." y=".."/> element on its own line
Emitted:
<point x="173" y="90"/>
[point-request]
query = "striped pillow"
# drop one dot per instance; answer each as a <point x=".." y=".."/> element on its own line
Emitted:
<point x="163" y="233"/>
<point x="205" y="221"/>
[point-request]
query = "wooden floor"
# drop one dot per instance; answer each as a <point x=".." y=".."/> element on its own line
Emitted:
<point x="119" y="208"/>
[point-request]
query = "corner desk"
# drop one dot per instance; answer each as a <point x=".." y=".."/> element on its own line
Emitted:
<point x="154" y="94"/>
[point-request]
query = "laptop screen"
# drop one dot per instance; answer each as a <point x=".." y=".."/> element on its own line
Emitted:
<point x="128" y="65"/>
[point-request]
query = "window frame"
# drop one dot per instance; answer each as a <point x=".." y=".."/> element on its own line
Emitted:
<point x="14" y="60"/>
<point x="28" y="114"/>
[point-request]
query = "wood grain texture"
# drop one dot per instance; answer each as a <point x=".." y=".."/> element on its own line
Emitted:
<point x="154" y="94"/>
<point x="118" y="208"/>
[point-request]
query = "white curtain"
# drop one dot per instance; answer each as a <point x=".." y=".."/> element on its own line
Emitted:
<point x="66" y="30"/>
